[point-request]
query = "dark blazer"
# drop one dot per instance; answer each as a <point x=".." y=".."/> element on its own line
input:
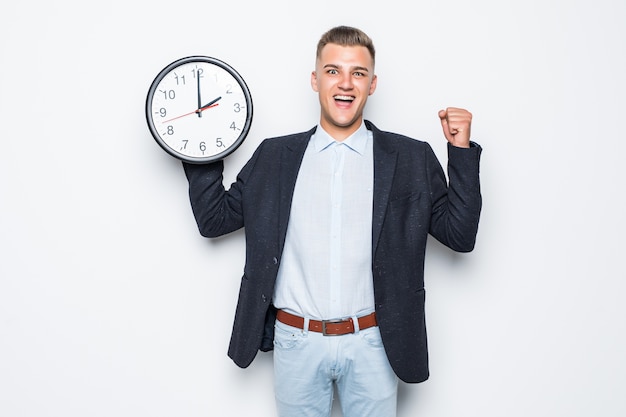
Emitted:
<point x="412" y="198"/>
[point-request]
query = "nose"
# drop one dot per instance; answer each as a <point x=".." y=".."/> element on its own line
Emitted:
<point x="345" y="82"/>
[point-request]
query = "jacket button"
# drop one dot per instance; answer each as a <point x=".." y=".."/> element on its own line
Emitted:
<point x="275" y="260"/>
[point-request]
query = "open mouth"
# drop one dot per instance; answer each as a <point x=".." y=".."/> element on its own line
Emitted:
<point x="345" y="99"/>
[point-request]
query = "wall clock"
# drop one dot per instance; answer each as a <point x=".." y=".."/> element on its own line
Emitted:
<point x="199" y="109"/>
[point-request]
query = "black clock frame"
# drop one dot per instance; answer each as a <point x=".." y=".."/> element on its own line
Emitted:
<point x="249" y="109"/>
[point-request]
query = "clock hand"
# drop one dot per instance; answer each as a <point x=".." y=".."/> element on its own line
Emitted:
<point x="199" y="97"/>
<point x="208" y="106"/>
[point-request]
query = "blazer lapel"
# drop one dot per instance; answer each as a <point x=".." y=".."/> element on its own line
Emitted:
<point x="385" y="158"/>
<point x="290" y="161"/>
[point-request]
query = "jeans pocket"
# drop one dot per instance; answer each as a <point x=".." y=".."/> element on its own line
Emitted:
<point x="287" y="337"/>
<point x="372" y="337"/>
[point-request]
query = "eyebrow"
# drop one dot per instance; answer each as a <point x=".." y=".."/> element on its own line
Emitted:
<point x="356" y="68"/>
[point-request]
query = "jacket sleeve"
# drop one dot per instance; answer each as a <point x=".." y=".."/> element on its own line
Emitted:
<point x="217" y="211"/>
<point x="456" y="205"/>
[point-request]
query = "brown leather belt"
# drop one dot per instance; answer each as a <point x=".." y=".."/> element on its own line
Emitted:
<point x="327" y="327"/>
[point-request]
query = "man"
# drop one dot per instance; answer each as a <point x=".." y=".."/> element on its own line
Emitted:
<point x="336" y="223"/>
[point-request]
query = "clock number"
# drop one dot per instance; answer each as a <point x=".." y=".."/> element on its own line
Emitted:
<point x="237" y="107"/>
<point x="229" y="89"/>
<point x="234" y="126"/>
<point x="219" y="143"/>
<point x="162" y="112"/>
<point x="179" y="80"/>
<point x="202" y="146"/>
<point x="197" y="72"/>
<point x="185" y="142"/>
<point x="170" y="130"/>
<point x="169" y="94"/>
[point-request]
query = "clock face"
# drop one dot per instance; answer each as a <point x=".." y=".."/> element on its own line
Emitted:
<point x="199" y="109"/>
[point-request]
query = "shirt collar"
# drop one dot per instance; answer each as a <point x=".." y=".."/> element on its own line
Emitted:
<point x="356" y="141"/>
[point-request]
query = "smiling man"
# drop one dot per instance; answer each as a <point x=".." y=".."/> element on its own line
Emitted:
<point x="336" y="222"/>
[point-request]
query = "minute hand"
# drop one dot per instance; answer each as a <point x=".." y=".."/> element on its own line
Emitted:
<point x="199" y="96"/>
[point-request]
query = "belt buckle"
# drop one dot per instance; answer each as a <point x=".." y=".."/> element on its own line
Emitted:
<point x="333" y="321"/>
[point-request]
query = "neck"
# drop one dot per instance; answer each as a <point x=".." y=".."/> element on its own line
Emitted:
<point x="341" y="133"/>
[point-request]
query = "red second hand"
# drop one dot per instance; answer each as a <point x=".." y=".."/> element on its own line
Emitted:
<point x="192" y="112"/>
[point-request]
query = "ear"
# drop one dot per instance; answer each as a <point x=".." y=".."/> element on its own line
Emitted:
<point x="314" y="82"/>
<point x="373" y="84"/>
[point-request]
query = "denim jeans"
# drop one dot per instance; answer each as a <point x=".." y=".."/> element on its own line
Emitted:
<point x="308" y="364"/>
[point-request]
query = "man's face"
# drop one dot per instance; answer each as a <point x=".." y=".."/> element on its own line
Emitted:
<point x="344" y="78"/>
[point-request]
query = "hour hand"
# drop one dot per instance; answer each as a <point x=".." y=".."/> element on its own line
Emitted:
<point x="210" y="104"/>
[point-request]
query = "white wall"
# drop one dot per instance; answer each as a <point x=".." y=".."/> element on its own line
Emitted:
<point x="111" y="304"/>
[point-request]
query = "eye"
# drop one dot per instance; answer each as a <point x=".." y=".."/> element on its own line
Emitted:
<point x="333" y="71"/>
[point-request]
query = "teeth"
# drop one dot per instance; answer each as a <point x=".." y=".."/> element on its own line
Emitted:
<point x="348" y="98"/>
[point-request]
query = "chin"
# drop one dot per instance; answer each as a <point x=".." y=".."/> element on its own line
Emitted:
<point x="347" y="124"/>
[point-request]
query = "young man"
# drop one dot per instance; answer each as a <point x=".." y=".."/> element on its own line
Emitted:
<point x="336" y="222"/>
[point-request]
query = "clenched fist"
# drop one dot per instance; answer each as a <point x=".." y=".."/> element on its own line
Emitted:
<point x="456" y="124"/>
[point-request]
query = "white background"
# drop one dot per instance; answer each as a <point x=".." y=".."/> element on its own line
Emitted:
<point x="111" y="304"/>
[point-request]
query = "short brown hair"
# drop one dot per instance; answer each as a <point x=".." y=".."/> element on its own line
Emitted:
<point x="346" y="36"/>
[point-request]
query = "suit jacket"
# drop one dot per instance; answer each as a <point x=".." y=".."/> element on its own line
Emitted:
<point x="412" y="198"/>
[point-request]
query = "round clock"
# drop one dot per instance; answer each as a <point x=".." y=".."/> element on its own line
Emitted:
<point x="199" y="109"/>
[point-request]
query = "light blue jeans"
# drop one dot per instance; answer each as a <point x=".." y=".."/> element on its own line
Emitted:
<point x="307" y="364"/>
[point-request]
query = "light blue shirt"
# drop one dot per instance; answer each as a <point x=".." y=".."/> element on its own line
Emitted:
<point x="326" y="266"/>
